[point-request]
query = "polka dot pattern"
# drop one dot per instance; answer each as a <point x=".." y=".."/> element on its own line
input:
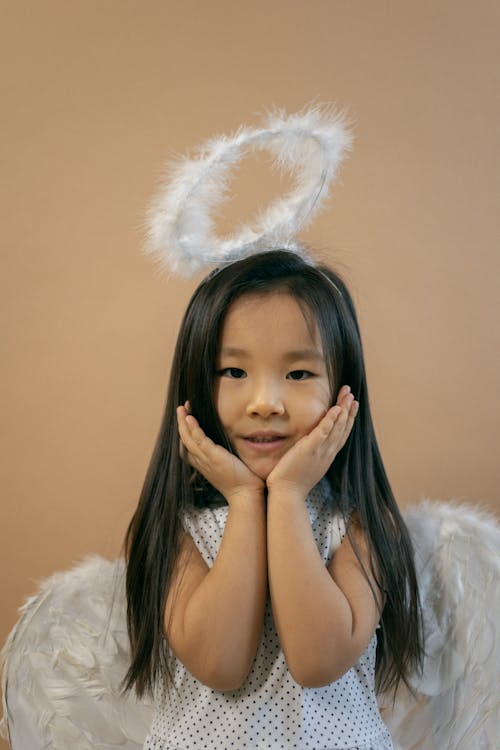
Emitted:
<point x="270" y="711"/>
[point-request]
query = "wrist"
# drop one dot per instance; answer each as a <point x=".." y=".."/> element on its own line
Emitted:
<point x="286" y="493"/>
<point x="245" y="496"/>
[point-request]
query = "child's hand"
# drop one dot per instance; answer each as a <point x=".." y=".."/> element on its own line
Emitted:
<point x="308" y="460"/>
<point x="225" y="471"/>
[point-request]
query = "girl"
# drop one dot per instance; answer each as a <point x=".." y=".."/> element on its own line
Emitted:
<point x="270" y="579"/>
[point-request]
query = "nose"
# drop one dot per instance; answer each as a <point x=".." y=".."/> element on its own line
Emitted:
<point x="266" y="400"/>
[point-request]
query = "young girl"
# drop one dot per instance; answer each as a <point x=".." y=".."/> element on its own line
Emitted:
<point x="270" y="581"/>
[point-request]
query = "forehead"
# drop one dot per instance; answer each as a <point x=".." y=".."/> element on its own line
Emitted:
<point x="273" y="317"/>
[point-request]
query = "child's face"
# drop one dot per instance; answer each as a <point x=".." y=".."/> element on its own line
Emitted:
<point x="272" y="385"/>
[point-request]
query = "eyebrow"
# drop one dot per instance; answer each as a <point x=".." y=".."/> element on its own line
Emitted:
<point x="231" y="351"/>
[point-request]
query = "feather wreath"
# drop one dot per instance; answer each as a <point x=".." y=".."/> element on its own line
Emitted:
<point x="64" y="660"/>
<point x="310" y="145"/>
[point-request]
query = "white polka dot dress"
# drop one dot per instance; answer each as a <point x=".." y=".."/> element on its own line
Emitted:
<point x="271" y="711"/>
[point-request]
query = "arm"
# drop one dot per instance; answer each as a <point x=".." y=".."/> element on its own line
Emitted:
<point x="325" y="616"/>
<point x="213" y="617"/>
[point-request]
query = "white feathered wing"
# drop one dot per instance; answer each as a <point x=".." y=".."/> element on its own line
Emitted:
<point x="64" y="662"/>
<point x="457" y="551"/>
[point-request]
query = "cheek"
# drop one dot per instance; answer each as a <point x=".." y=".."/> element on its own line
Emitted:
<point x="223" y="402"/>
<point x="315" y="408"/>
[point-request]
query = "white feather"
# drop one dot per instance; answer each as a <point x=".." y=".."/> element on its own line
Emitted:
<point x="180" y="229"/>
<point x="63" y="664"/>
<point x="458" y="567"/>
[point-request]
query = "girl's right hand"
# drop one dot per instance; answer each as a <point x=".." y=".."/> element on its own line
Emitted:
<point x="225" y="471"/>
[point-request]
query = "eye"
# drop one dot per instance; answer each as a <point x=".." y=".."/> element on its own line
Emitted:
<point x="232" y="372"/>
<point x="299" y="375"/>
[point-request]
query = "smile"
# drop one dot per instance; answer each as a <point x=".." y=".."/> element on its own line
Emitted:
<point x="262" y="442"/>
<point x="263" y="439"/>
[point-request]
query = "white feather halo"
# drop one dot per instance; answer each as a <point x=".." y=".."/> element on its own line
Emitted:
<point x="180" y="230"/>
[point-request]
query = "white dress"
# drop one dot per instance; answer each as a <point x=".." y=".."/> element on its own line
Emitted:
<point x="270" y="711"/>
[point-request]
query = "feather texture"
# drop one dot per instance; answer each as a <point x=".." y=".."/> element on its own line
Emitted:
<point x="63" y="664"/>
<point x="457" y="556"/>
<point x="180" y="229"/>
<point x="64" y="660"/>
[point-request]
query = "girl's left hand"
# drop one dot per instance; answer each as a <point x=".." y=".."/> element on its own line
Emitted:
<point x="308" y="460"/>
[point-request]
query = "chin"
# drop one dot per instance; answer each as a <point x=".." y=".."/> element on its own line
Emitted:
<point x="261" y="466"/>
<point x="262" y="470"/>
<point x="262" y="474"/>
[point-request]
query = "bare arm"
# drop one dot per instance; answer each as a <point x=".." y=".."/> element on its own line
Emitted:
<point x="325" y="616"/>
<point x="213" y="617"/>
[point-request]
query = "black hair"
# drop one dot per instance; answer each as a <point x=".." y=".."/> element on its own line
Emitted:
<point x="357" y="476"/>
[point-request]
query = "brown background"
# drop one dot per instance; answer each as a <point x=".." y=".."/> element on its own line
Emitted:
<point x="95" y="96"/>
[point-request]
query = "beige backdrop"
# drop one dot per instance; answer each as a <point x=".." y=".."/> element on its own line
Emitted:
<point x="95" y="95"/>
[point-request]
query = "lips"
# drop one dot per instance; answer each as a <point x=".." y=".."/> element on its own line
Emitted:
<point x="264" y="437"/>
<point x="264" y="441"/>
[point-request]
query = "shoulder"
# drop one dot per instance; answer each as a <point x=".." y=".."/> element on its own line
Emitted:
<point x="206" y="527"/>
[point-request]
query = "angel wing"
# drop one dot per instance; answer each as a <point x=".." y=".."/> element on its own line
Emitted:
<point x="63" y="664"/>
<point x="64" y="661"/>
<point x="457" y="705"/>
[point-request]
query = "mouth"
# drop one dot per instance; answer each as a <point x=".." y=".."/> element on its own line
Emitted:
<point x="264" y="441"/>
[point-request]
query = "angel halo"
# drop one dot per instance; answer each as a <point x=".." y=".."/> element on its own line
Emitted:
<point x="310" y="144"/>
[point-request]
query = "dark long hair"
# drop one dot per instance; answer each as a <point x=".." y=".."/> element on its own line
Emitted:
<point x="357" y="476"/>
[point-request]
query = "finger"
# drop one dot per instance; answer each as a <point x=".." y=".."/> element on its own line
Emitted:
<point x="344" y="401"/>
<point x="195" y="457"/>
<point x="345" y="398"/>
<point x="325" y="426"/>
<point x="187" y="424"/>
<point x="183" y="428"/>
<point x="197" y="434"/>
<point x="353" y="411"/>
<point x="343" y="392"/>
<point x="346" y="423"/>
<point x="341" y="420"/>
<point x="185" y="455"/>
<point x="334" y="427"/>
<point x="199" y="445"/>
<point x="181" y="412"/>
